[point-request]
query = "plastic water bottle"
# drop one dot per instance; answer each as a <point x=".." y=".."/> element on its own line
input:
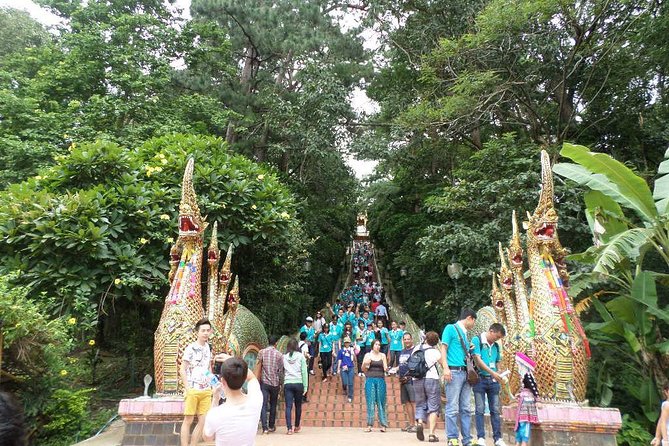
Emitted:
<point x="213" y="379"/>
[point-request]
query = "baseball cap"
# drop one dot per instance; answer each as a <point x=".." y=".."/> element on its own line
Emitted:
<point x="309" y="319"/>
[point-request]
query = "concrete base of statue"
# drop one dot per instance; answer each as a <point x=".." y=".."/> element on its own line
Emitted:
<point x="152" y="421"/>
<point x="566" y="424"/>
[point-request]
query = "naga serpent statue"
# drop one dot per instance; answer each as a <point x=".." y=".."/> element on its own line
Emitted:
<point x="545" y="325"/>
<point x="238" y="331"/>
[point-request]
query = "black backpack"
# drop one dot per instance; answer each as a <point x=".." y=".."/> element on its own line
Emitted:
<point x="417" y="366"/>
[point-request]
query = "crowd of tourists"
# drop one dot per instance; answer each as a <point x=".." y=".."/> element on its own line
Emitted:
<point x="355" y="336"/>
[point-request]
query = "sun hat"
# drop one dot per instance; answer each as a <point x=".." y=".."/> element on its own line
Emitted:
<point x="347" y="339"/>
<point x="309" y="319"/>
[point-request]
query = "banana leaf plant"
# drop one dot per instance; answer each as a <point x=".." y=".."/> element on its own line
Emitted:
<point x="628" y="261"/>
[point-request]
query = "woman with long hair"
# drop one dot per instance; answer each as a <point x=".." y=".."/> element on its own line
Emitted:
<point x="295" y="383"/>
<point x="325" y="350"/>
<point x="375" y="366"/>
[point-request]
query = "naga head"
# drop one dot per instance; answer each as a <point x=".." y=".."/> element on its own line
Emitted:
<point x="542" y="225"/>
<point x="515" y="251"/>
<point x="505" y="275"/>
<point x="213" y="253"/>
<point x="496" y="296"/>
<point x="225" y="270"/>
<point x="190" y="220"/>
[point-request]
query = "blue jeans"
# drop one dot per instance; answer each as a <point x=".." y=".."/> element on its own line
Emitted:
<point x="270" y="396"/>
<point x="293" y="394"/>
<point x="490" y="387"/>
<point x="335" y="352"/>
<point x="375" y="394"/>
<point x="347" y="380"/>
<point x="458" y="396"/>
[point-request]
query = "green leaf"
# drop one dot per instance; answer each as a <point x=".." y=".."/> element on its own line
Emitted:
<point x="606" y="211"/>
<point x="644" y="291"/>
<point x="622" y="247"/>
<point x="661" y="187"/>
<point x="630" y="190"/>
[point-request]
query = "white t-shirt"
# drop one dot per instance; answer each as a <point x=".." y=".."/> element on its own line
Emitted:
<point x="199" y="361"/>
<point x="432" y="357"/>
<point x="236" y="424"/>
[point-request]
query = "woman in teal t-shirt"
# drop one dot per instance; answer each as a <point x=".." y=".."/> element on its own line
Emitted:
<point x="385" y="339"/>
<point x="395" y="335"/>
<point x="325" y="350"/>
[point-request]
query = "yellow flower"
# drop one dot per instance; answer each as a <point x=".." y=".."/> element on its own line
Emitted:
<point x="158" y="169"/>
<point x="117" y="281"/>
<point x="143" y="241"/>
<point x="164" y="161"/>
<point x="161" y="155"/>
<point x="261" y="177"/>
<point x="91" y="342"/>
<point x="63" y="372"/>
<point x="254" y="207"/>
<point x="73" y="360"/>
<point x="71" y="321"/>
<point x="170" y="240"/>
<point x="66" y="136"/>
<point x="38" y="177"/>
<point x="285" y="214"/>
<point x="164" y="217"/>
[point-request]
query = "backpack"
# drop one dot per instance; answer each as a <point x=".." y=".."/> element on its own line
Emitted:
<point x="417" y="366"/>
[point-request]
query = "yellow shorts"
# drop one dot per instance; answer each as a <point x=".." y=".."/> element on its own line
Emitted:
<point x="197" y="402"/>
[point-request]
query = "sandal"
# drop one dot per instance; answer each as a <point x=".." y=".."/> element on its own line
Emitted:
<point x="369" y="429"/>
<point x="433" y="439"/>
<point x="383" y="429"/>
<point x="419" y="432"/>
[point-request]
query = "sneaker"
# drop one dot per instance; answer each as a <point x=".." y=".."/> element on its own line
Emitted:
<point x="500" y="442"/>
<point x="265" y="432"/>
<point x="453" y="442"/>
<point x="272" y="429"/>
<point x="411" y="429"/>
<point x="350" y="400"/>
<point x="290" y="432"/>
<point x="419" y="432"/>
<point x="297" y="429"/>
<point x="480" y="442"/>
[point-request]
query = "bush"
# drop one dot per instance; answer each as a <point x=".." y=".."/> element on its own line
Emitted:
<point x="633" y="433"/>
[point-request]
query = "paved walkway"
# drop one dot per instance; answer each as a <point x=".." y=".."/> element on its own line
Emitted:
<point x="313" y="436"/>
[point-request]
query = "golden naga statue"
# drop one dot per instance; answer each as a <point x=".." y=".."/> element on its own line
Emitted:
<point x="183" y="304"/>
<point x="545" y="326"/>
<point x="234" y="328"/>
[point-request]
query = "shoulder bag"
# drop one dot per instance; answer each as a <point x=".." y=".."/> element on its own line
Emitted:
<point x="472" y="373"/>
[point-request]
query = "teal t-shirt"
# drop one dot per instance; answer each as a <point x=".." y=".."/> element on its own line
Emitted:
<point x="455" y="356"/>
<point x="335" y="331"/>
<point x="385" y="339"/>
<point x="309" y="331"/>
<point x="360" y="336"/>
<point x="371" y="336"/>
<point x="325" y="342"/>
<point x="489" y="354"/>
<point x="350" y="317"/>
<point x="396" y="340"/>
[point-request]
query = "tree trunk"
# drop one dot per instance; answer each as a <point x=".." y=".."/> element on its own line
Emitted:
<point x="250" y="58"/>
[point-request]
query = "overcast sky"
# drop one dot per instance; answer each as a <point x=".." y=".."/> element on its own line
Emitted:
<point x="359" y="100"/>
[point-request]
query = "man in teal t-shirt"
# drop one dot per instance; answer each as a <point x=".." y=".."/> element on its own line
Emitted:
<point x="458" y="391"/>
<point x="487" y="355"/>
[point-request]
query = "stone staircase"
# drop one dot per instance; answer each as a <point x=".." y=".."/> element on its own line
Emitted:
<point x="328" y="405"/>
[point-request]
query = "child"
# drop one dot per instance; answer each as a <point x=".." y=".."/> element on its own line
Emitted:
<point x="527" y="399"/>
<point x="662" y="430"/>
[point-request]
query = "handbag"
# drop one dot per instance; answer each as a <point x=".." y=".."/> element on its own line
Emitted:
<point x="472" y="374"/>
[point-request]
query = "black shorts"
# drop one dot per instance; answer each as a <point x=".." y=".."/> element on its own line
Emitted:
<point x="407" y="394"/>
